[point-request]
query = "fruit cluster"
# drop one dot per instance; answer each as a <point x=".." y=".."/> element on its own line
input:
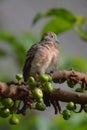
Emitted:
<point x="44" y="83"/>
<point x="80" y="87"/>
<point x="72" y="83"/>
<point x="6" y="109"/>
<point x="9" y="107"/>
<point x="71" y="107"/>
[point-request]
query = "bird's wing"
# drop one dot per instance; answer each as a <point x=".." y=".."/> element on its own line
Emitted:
<point x="29" y="57"/>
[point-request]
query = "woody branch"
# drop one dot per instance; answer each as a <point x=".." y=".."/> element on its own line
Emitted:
<point x="21" y="91"/>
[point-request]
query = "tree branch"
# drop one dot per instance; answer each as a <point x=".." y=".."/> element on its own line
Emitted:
<point x="22" y="92"/>
<point x="67" y="96"/>
<point x="71" y="74"/>
<point x="16" y="92"/>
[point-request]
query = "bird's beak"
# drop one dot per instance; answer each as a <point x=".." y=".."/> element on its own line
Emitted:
<point x="57" y="41"/>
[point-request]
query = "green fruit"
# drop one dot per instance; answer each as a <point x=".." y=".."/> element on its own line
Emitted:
<point x="31" y="82"/>
<point x="79" y="90"/>
<point x="48" y="87"/>
<point x="85" y="108"/>
<point x="40" y="100"/>
<point x="40" y="106"/>
<point x="37" y="93"/>
<point x="4" y="112"/>
<point x="7" y="102"/>
<point x="44" y="77"/>
<point x="49" y="78"/>
<point x="66" y="114"/>
<point x="70" y="83"/>
<point x="70" y="106"/>
<point x="19" y="76"/>
<point x="14" y="120"/>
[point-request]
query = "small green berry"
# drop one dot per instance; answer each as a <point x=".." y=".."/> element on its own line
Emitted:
<point x="4" y="112"/>
<point x="79" y="90"/>
<point x="7" y="102"/>
<point x="40" y="106"/>
<point x="66" y="114"/>
<point x="40" y="100"/>
<point x="48" y="87"/>
<point x="70" y="106"/>
<point x="37" y="93"/>
<point x="31" y="82"/>
<point x="49" y="78"/>
<point x="14" y="120"/>
<point x="19" y="76"/>
<point x="44" y="77"/>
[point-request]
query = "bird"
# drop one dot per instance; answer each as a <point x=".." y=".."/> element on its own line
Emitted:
<point x="42" y="57"/>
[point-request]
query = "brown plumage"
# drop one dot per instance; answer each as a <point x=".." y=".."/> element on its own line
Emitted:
<point x="42" y="57"/>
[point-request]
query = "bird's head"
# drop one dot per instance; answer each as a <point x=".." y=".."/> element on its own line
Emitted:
<point x="50" y="36"/>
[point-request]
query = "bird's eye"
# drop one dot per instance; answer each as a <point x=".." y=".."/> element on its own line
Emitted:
<point x="51" y="36"/>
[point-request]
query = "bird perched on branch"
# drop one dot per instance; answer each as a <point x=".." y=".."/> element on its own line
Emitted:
<point x="42" y="57"/>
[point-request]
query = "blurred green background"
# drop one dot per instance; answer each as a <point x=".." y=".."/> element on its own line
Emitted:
<point x="22" y="23"/>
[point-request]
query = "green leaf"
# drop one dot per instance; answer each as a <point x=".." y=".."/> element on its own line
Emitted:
<point x="56" y="12"/>
<point x="80" y="20"/>
<point x="57" y="25"/>
<point x="20" y="52"/>
<point x="63" y="13"/>
<point x="81" y="27"/>
<point x="18" y="48"/>
<point x="82" y="33"/>
<point x="77" y="63"/>
<point x="2" y="53"/>
<point x="28" y="38"/>
<point x="37" y="18"/>
<point x="20" y="44"/>
<point x="6" y="36"/>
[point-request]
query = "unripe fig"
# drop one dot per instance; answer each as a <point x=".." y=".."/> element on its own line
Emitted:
<point x="19" y="76"/>
<point x="79" y="90"/>
<point x="37" y="93"/>
<point x="7" y="102"/>
<point x="66" y="114"/>
<point x="40" y="100"/>
<point x="31" y="82"/>
<point x="49" y="78"/>
<point x="48" y="87"/>
<point x="40" y="106"/>
<point x="45" y="78"/>
<point x="4" y="112"/>
<point x="14" y="120"/>
<point x="70" y="106"/>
